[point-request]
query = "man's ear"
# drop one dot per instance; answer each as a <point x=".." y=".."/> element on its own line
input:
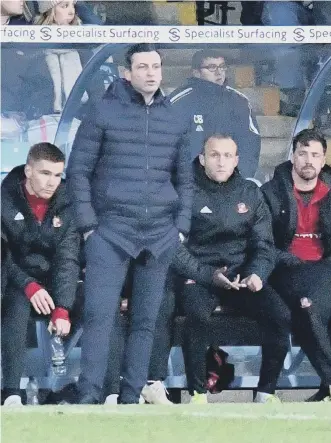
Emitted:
<point x="202" y="160"/>
<point x="127" y="74"/>
<point x="28" y="170"/>
<point x="291" y="157"/>
<point x="196" y="73"/>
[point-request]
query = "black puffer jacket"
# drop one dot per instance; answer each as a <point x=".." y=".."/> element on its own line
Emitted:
<point x="39" y="252"/>
<point x="279" y="196"/>
<point x="231" y="226"/>
<point x="129" y="172"/>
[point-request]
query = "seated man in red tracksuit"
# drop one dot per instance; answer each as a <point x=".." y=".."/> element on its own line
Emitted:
<point x="299" y="198"/>
<point x="42" y="250"/>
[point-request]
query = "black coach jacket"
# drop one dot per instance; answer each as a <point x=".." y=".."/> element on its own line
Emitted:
<point x="231" y="226"/>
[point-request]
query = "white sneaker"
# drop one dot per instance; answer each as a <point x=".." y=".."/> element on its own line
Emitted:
<point x="13" y="400"/>
<point x="156" y="394"/>
<point x="111" y="399"/>
<point x="264" y="397"/>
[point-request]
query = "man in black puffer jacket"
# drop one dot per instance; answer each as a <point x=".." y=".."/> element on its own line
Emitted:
<point x="299" y="198"/>
<point x="129" y="175"/>
<point x="42" y="248"/>
<point x="227" y="259"/>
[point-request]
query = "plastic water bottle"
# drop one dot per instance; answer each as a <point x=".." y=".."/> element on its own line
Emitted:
<point x="32" y="392"/>
<point x="58" y="356"/>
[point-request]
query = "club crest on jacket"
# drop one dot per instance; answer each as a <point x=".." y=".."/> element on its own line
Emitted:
<point x="57" y="222"/>
<point x="242" y="208"/>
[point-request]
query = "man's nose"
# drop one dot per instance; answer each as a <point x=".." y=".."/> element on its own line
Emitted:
<point x="309" y="159"/>
<point x="51" y="182"/>
<point x="221" y="160"/>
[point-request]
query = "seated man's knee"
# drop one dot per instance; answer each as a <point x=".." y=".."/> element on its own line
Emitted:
<point x="198" y="318"/>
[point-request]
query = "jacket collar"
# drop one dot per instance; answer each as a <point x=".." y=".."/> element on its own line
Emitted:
<point x="204" y="85"/>
<point x="283" y="173"/>
<point x="124" y="91"/>
<point x="203" y="181"/>
<point x="321" y="190"/>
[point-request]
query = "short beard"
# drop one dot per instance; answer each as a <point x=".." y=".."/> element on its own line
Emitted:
<point x="306" y="177"/>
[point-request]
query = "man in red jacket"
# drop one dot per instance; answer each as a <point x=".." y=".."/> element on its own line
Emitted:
<point x="299" y="197"/>
<point x="42" y="249"/>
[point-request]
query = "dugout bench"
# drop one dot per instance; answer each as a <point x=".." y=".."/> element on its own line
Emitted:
<point x="237" y="335"/>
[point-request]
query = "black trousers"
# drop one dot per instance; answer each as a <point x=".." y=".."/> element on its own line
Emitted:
<point x="16" y="312"/>
<point x="311" y="325"/>
<point x="106" y="270"/>
<point x="265" y="306"/>
<point x="163" y="336"/>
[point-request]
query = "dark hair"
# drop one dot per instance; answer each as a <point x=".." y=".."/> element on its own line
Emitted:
<point x="200" y="56"/>
<point x="45" y="151"/>
<point x="135" y="49"/>
<point x="307" y="135"/>
<point x="218" y="136"/>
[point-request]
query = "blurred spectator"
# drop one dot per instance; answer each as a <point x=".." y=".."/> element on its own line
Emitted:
<point x="299" y="198"/>
<point x="42" y="264"/>
<point x="50" y="77"/>
<point x="14" y="62"/>
<point x="12" y="12"/>
<point x="57" y="12"/>
<point x="227" y="260"/>
<point x="294" y="77"/>
<point x="125" y="12"/>
<point x="251" y="13"/>
<point x="213" y="107"/>
<point x="129" y="174"/>
<point x="85" y="13"/>
<point x="83" y="10"/>
<point x="35" y="86"/>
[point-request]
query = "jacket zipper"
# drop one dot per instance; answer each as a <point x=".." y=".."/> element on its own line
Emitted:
<point x="146" y="149"/>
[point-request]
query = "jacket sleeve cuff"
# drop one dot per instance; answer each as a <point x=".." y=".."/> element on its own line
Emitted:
<point x="31" y="288"/>
<point x="60" y="313"/>
<point x="183" y="224"/>
<point x="205" y="275"/>
<point x="262" y="272"/>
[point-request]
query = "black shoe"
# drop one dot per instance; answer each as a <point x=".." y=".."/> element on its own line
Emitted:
<point x="67" y="395"/>
<point x="320" y="395"/>
<point x="87" y="399"/>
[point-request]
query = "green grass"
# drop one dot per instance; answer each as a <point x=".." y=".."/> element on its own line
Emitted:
<point x="228" y="423"/>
